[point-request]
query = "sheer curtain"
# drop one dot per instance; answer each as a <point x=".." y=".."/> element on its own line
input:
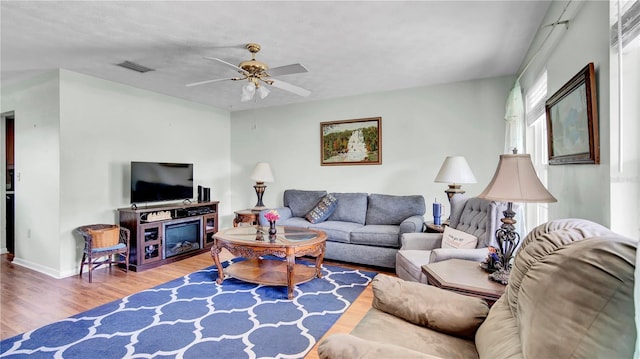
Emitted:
<point x="514" y="139"/>
<point x="514" y="117"/>
<point x="536" y="131"/>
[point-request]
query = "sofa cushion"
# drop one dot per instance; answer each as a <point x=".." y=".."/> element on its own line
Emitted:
<point x="380" y="327"/>
<point x="342" y="345"/>
<point x="337" y="231"/>
<point x="388" y="209"/>
<point x="352" y="207"/>
<point x="377" y="235"/>
<point x="428" y="306"/>
<point x="301" y="202"/>
<point x="294" y="222"/>
<point x="453" y="238"/>
<point x="322" y="209"/>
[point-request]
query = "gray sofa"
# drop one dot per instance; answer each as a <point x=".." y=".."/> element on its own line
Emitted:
<point x="363" y="228"/>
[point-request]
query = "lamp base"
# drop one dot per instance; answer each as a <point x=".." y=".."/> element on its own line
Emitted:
<point x="453" y="189"/>
<point x="507" y="237"/>
<point x="501" y="276"/>
<point x="259" y="187"/>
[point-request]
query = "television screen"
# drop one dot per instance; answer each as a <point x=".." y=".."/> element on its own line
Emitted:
<point x="154" y="181"/>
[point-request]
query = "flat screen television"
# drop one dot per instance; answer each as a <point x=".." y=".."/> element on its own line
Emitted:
<point x="156" y="181"/>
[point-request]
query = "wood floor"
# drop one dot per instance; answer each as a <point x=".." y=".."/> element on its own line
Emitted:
<point x="29" y="299"/>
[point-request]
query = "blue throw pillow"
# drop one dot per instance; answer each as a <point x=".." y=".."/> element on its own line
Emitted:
<point x="322" y="210"/>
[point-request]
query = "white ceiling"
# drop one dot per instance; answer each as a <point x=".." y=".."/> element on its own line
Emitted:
<point x="350" y="48"/>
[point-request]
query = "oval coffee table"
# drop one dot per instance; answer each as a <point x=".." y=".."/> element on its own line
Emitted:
<point x="255" y="242"/>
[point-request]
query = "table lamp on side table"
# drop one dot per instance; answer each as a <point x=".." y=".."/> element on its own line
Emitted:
<point x="261" y="174"/>
<point x="515" y="180"/>
<point x="454" y="170"/>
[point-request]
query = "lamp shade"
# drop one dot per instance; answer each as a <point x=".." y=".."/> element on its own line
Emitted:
<point x="263" y="92"/>
<point x="248" y="91"/>
<point x="516" y="180"/>
<point x="455" y="169"/>
<point x="262" y="173"/>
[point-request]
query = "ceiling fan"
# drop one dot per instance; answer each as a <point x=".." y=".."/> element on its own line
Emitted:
<point x="257" y="73"/>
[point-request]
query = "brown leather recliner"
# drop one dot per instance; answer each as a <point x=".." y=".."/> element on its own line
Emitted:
<point x="570" y="295"/>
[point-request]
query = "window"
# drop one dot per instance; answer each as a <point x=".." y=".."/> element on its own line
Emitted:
<point x="625" y="111"/>
<point x="536" y="146"/>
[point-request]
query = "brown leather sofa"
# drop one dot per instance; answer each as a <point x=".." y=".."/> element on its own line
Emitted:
<point x="570" y="295"/>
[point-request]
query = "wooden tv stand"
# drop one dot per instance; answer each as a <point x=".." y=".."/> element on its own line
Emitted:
<point x="147" y="225"/>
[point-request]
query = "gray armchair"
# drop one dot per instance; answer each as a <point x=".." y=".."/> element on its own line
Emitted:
<point x="475" y="216"/>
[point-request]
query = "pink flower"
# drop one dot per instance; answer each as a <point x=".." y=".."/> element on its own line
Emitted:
<point x="272" y="215"/>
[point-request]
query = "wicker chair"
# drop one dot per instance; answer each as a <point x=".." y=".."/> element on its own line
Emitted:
<point x="97" y="247"/>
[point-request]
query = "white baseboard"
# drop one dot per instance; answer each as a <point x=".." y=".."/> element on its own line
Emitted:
<point x="43" y="269"/>
<point x="50" y="271"/>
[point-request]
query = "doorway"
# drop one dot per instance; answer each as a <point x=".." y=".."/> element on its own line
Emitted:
<point x="8" y="161"/>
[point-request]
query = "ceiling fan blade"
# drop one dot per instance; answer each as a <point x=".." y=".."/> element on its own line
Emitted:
<point x="291" y="88"/>
<point x="226" y="63"/>
<point x="288" y="69"/>
<point x="206" y="82"/>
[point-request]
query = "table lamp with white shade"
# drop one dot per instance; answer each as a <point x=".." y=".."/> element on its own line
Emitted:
<point x="455" y="170"/>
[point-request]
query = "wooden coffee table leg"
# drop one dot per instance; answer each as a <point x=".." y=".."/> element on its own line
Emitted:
<point x="215" y="251"/>
<point x="291" y="261"/>
<point x="319" y="260"/>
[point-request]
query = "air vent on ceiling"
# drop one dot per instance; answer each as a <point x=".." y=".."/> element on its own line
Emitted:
<point x="135" y="67"/>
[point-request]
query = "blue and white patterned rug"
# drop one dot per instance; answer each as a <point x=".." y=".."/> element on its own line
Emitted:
<point x="193" y="317"/>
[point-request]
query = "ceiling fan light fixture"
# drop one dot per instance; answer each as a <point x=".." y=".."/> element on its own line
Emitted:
<point x="248" y="91"/>
<point x="263" y="92"/>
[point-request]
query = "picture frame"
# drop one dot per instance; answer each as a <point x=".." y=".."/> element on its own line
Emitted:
<point x="351" y="142"/>
<point x="572" y="121"/>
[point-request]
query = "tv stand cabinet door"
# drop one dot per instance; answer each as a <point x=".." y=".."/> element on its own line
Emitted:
<point x="150" y="241"/>
<point x="210" y="226"/>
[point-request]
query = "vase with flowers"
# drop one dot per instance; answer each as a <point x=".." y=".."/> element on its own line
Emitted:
<point x="272" y="216"/>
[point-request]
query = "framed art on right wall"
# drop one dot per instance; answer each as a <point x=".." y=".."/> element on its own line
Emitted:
<point x="572" y="121"/>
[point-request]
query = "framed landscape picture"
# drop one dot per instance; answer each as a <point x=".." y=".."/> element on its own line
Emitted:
<point x="351" y="142"/>
<point x="572" y="121"/>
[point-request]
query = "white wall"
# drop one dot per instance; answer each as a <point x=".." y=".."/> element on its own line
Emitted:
<point x="582" y="190"/>
<point x="97" y="129"/>
<point x="420" y="127"/>
<point x="75" y="169"/>
<point x="37" y="168"/>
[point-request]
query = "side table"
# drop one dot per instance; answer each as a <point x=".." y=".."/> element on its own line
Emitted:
<point x="464" y="277"/>
<point x="433" y="228"/>
<point x="248" y="216"/>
